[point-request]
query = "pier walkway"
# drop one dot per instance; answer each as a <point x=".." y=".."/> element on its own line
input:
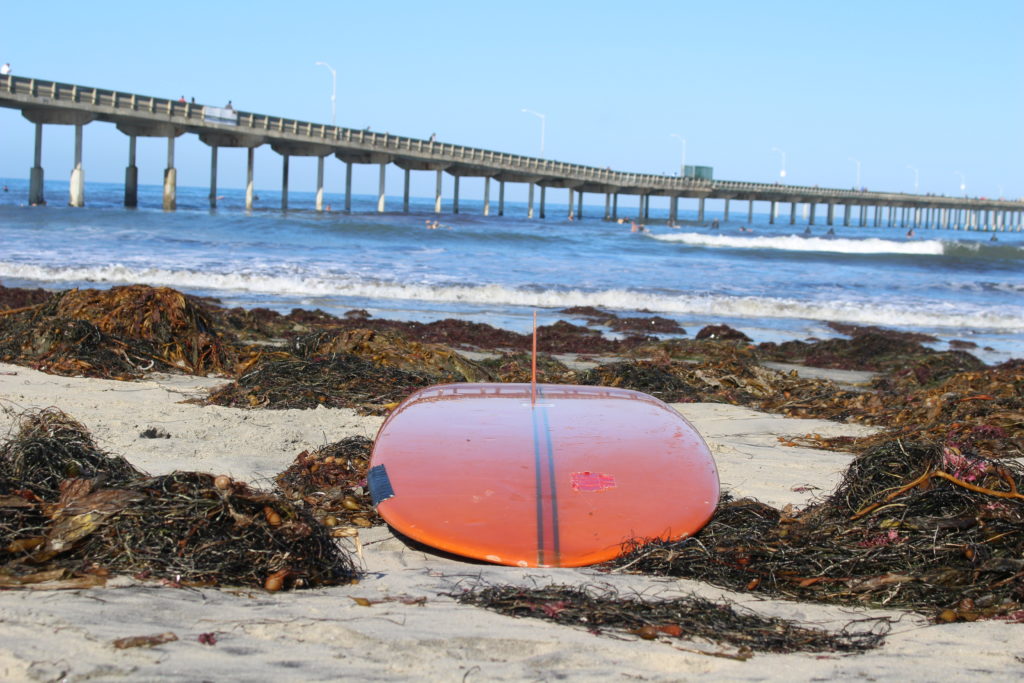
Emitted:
<point x="48" y="102"/>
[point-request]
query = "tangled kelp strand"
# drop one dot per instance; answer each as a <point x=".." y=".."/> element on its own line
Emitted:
<point x="68" y="512"/>
<point x="331" y="481"/>
<point x="691" y="617"/>
<point x="911" y="525"/>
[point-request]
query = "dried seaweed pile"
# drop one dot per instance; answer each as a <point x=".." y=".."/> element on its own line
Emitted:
<point x="280" y="381"/>
<point x="84" y="514"/>
<point x="975" y="411"/>
<point x="389" y="349"/>
<point x="911" y="525"/>
<point x="117" y="334"/>
<point x="689" y="618"/>
<point x="331" y="482"/>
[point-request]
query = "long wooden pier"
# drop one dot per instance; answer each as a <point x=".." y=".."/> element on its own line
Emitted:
<point x="49" y="102"/>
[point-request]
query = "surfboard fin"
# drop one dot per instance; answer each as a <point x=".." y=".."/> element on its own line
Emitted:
<point x="533" y="364"/>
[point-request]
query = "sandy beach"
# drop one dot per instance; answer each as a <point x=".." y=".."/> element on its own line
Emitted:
<point x="412" y="627"/>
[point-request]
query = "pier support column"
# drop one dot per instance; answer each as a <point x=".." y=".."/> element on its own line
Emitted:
<point x="319" y="183"/>
<point x="810" y="217"/>
<point x="792" y="213"/>
<point x="35" y="181"/>
<point x="543" y="196"/>
<point x="771" y="213"/>
<point x="917" y="216"/>
<point x="571" y="206"/>
<point x="380" y="187"/>
<point x="437" y="193"/>
<point x="878" y="215"/>
<point x="750" y="212"/>
<point x="131" y="177"/>
<point x="250" y="162"/>
<point x="348" y="186"/>
<point x="700" y="210"/>
<point x="725" y="216"/>
<point x="846" y="214"/>
<point x="892" y="216"/>
<point x="830" y="215"/>
<point x="76" y="190"/>
<point x="615" y="206"/>
<point x="863" y="218"/>
<point x="213" y="177"/>
<point x="501" y="197"/>
<point x="607" y="206"/>
<point x="673" y="210"/>
<point x="487" y="196"/>
<point x="170" y="178"/>
<point x="647" y="207"/>
<point x="529" y="202"/>
<point x="285" y="159"/>
<point x="579" y="204"/>
<point x="405" y="192"/>
<point x="455" y="199"/>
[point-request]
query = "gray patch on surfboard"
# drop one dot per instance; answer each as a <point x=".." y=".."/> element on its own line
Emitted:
<point x="380" y="484"/>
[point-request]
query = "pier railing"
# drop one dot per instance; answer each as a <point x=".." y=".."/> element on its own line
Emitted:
<point x="30" y="93"/>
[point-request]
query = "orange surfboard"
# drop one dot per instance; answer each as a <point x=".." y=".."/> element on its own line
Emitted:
<point x="483" y="471"/>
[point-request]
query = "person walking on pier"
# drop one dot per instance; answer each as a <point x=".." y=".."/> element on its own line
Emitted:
<point x="5" y="70"/>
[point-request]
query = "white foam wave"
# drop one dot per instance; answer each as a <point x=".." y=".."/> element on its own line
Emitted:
<point x="916" y="314"/>
<point x="871" y="245"/>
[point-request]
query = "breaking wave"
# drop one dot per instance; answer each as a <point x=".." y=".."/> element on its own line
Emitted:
<point x="868" y="312"/>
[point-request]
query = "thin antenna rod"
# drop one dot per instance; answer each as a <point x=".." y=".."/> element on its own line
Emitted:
<point x="533" y="364"/>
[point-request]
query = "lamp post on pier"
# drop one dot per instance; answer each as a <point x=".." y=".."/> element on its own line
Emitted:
<point x="782" y="170"/>
<point x="917" y="177"/>
<point x="682" y="154"/>
<point x="334" y="89"/>
<point x="543" y="119"/>
<point x="963" y="182"/>
<point x="856" y="161"/>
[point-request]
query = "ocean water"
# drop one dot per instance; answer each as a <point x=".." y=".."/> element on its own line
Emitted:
<point x="772" y="281"/>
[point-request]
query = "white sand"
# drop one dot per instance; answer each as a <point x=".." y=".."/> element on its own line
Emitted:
<point x="325" y="635"/>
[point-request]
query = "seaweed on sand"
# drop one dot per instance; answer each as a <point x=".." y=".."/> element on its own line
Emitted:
<point x="118" y="333"/>
<point x="689" y="618"/>
<point x="281" y="381"/>
<point x="918" y="526"/>
<point x="81" y="513"/>
<point x="331" y="481"/>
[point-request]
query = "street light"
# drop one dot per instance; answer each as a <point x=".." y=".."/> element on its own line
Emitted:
<point x="542" y="121"/>
<point x="963" y="182"/>
<point x="334" y="88"/>
<point x="857" y="161"/>
<point x="917" y="177"/>
<point x="682" y="154"/>
<point x="782" y="171"/>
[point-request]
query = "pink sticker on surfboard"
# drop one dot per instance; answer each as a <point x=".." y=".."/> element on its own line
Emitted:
<point x="592" y="481"/>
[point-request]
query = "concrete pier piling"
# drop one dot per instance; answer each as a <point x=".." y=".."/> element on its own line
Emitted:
<point x="455" y="196"/>
<point x="319" y="204"/>
<point x="76" y="189"/>
<point x="213" y="176"/>
<point x="380" y="188"/>
<point x="249" y="169"/>
<point x="131" y="177"/>
<point x="35" y="183"/>
<point x="284" y="181"/>
<point x="487" y="196"/>
<point x="725" y="216"/>
<point x="501" y="197"/>
<point x="750" y="211"/>
<point x="170" y="178"/>
<point x="529" y="201"/>
<point x="543" y="191"/>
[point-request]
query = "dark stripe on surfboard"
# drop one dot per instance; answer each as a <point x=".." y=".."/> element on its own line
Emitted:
<point x="538" y="471"/>
<point x="556" y="550"/>
<point x="544" y="468"/>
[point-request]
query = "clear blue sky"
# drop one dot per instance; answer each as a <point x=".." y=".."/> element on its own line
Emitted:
<point x="936" y="85"/>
